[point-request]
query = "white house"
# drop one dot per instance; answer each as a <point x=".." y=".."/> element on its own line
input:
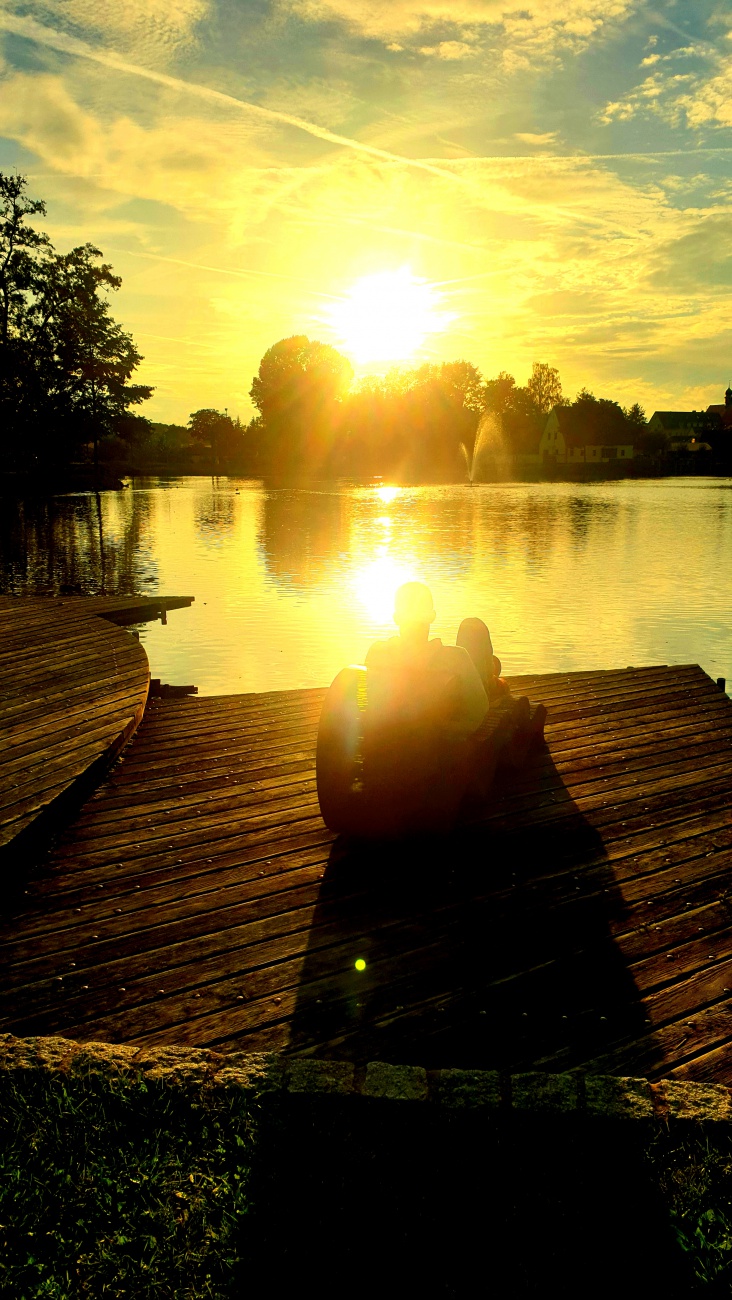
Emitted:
<point x="567" y="439"/>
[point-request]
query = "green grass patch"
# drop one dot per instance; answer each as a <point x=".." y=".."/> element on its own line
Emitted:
<point x="121" y="1187"/>
<point x="692" y="1166"/>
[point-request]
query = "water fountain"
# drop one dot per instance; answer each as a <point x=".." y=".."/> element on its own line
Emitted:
<point x="488" y="439"/>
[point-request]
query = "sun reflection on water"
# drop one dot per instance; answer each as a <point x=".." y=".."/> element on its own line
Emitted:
<point x="376" y="583"/>
<point x="292" y="584"/>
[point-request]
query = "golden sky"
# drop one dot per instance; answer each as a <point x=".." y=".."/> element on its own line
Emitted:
<point x="550" y="183"/>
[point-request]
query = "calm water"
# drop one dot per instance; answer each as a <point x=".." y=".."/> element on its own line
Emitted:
<point x="290" y="584"/>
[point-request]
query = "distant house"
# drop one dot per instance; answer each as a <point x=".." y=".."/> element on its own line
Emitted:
<point x="685" y="430"/>
<point x="569" y="439"/>
<point x="723" y="413"/>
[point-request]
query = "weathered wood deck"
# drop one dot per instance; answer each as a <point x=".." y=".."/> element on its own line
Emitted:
<point x="587" y="921"/>
<point x="73" y="689"/>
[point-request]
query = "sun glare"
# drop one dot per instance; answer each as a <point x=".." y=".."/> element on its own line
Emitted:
<point x="388" y="316"/>
<point x="375" y="586"/>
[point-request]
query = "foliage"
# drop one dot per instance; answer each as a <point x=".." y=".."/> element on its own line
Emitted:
<point x="635" y="415"/>
<point x="498" y="393"/>
<point x="411" y="422"/>
<point x="298" y="392"/>
<point x="693" y="1170"/>
<point x="544" y="387"/>
<point x="601" y="419"/>
<point x="120" y="1188"/>
<point x="217" y="430"/>
<point x="65" y="363"/>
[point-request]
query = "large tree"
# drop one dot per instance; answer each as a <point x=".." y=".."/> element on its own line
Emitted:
<point x="298" y="392"/>
<point x="544" y="387"/>
<point x="65" y="363"/>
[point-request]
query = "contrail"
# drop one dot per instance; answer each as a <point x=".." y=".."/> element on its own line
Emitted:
<point x="41" y="35"/>
<point x="243" y="273"/>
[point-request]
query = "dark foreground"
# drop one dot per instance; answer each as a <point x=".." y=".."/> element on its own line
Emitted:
<point x="139" y="1188"/>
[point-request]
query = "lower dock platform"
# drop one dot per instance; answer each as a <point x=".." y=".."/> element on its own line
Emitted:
<point x="584" y="922"/>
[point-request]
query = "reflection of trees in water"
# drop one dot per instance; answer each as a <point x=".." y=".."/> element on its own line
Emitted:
<point x="86" y="544"/>
<point x="451" y="531"/>
<point x="527" y="521"/>
<point x="302" y="533"/>
<point x="587" y="515"/>
<point x="215" y="514"/>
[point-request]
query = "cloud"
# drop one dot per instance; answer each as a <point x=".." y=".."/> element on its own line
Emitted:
<point x="539" y="139"/>
<point x="708" y="102"/>
<point x="695" y="99"/>
<point x="565" y="21"/>
<point x="157" y="28"/>
<point x="450" y="50"/>
<point x="45" y="36"/>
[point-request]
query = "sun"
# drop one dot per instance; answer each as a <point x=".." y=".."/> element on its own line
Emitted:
<point x="387" y="316"/>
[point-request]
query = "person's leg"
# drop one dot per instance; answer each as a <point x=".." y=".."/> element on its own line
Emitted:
<point x="473" y="636"/>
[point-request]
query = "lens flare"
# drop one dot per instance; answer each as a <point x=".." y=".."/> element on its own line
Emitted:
<point x="376" y="583"/>
<point x="388" y="316"/>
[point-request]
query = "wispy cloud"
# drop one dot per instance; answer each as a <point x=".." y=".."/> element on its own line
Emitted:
<point x="160" y="28"/>
<point x="354" y="136"/>
<point x="565" y="21"/>
<point x="34" y="31"/>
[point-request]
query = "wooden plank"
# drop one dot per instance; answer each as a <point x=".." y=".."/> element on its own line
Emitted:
<point x="604" y="861"/>
<point x="50" y="662"/>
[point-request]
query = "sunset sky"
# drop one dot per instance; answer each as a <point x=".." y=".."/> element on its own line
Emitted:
<point x="549" y="184"/>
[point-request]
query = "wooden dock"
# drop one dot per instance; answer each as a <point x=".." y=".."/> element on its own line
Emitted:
<point x="73" y="688"/>
<point x="586" y="922"/>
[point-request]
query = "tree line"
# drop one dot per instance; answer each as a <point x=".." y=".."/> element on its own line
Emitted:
<point x="67" y="390"/>
<point x="420" y="422"/>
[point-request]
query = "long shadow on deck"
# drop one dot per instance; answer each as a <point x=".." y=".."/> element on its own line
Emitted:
<point x="490" y="948"/>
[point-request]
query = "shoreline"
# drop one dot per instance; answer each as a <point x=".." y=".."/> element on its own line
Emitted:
<point x="22" y="486"/>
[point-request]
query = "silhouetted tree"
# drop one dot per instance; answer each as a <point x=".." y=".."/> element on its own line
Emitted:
<point x="298" y="392"/>
<point x="635" y="415"/>
<point x="601" y="418"/>
<point x="217" y="430"/>
<point x="409" y="423"/>
<point x="65" y="363"/>
<point x="544" y="387"/>
<point x="498" y="393"/>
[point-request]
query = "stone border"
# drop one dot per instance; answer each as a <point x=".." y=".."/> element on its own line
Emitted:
<point x="596" y="1096"/>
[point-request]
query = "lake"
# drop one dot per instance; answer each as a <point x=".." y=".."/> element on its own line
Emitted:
<point x="291" y="583"/>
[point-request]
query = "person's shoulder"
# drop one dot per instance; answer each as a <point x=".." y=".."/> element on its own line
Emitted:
<point x="454" y="657"/>
<point x="382" y="654"/>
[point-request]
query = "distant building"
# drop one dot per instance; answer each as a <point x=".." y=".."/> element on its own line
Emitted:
<point x="724" y="413"/>
<point x="569" y="439"/>
<point x="694" y="431"/>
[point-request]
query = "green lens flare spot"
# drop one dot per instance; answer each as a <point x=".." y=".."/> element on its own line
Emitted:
<point x="360" y="964"/>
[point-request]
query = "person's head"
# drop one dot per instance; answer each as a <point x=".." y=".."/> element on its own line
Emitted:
<point x="414" y="610"/>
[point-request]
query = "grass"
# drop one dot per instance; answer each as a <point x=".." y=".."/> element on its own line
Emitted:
<point x="114" y="1186"/>
<point x="120" y="1188"/>
<point x="692" y="1167"/>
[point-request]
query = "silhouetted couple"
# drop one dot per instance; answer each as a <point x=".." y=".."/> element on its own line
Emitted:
<point x="409" y="740"/>
<point x="467" y="675"/>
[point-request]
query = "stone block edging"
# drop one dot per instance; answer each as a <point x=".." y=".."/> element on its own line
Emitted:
<point x="599" y="1096"/>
